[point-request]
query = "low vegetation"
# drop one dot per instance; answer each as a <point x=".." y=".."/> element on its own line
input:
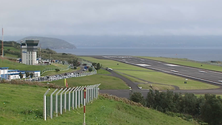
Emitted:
<point x="207" y="108"/>
<point x="21" y="104"/>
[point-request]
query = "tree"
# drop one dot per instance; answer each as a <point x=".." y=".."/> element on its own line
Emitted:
<point x="94" y="64"/>
<point x="76" y="62"/>
<point x="31" y="75"/>
<point x="90" y="69"/>
<point x="20" y="75"/>
<point x="137" y="97"/>
<point x="189" y="104"/>
<point x="211" y="111"/>
<point x="150" y="99"/>
<point x="27" y="74"/>
<point x="98" y="66"/>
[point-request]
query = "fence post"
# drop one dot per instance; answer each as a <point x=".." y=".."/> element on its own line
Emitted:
<point x="79" y="96"/>
<point x="84" y="110"/>
<point x="44" y="104"/>
<point x="65" y="98"/>
<point x="57" y="102"/>
<point x="76" y="97"/>
<point x="61" y="100"/>
<point x="51" y="105"/>
<point x="69" y="98"/>
<point x="73" y="97"/>
<point x="91" y="94"/>
<point x="82" y="95"/>
<point x="97" y="91"/>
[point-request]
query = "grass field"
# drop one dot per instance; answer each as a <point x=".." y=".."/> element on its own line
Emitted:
<point x="158" y="77"/>
<point x="146" y="85"/>
<point x="23" y="105"/>
<point x="107" y="82"/>
<point x="186" y="62"/>
<point x="152" y="76"/>
<point x="113" y="64"/>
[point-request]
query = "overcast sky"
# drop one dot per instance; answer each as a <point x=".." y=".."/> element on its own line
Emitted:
<point x="110" y="17"/>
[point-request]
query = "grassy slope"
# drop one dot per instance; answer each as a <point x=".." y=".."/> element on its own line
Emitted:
<point x="23" y="105"/>
<point x="23" y="67"/>
<point x="186" y="62"/>
<point x="20" y="66"/>
<point x="152" y="76"/>
<point x="107" y="82"/>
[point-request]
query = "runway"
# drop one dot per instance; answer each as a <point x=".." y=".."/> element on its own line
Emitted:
<point x="203" y="75"/>
<point x="211" y="77"/>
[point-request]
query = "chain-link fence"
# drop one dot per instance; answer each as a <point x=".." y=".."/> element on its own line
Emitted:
<point x="60" y="101"/>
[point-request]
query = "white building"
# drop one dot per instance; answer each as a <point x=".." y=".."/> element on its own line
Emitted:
<point x="14" y="74"/>
<point x="29" y="52"/>
<point x="3" y="72"/>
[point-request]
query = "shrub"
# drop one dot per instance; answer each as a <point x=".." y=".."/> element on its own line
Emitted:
<point x="90" y="69"/>
<point x="137" y="97"/>
<point x="57" y="70"/>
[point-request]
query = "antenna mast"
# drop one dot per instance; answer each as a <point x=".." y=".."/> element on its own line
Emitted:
<point x="2" y="44"/>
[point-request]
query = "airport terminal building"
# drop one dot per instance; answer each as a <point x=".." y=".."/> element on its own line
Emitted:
<point x="29" y="50"/>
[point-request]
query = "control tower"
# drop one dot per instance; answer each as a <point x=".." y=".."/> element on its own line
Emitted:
<point x="29" y="50"/>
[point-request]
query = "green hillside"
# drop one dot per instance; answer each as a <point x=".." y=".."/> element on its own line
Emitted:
<point x="22" y="104"/>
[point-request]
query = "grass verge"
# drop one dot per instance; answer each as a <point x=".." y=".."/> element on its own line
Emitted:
<point x="156" y="87"/>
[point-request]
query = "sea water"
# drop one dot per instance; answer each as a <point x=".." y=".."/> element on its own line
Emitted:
<point x="197" y="54"/>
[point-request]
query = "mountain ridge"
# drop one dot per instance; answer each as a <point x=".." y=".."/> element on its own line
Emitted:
<point x="49" y="42"/>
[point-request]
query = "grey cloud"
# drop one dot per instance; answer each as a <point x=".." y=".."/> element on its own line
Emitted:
<point x="111" y="17"/>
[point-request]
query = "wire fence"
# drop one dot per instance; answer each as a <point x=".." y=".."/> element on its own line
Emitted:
<point x="53" y="69"/>
<point x="60" y="101"/>
<point x="58" y="77"/>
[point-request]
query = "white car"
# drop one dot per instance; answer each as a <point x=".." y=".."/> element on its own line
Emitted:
<point x="110" y="69"/>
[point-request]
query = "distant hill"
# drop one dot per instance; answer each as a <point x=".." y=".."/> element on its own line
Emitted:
<point x="144" y="41"/>
<point x="51" y="43"/>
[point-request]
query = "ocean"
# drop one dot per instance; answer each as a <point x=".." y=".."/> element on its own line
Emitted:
<point x="197" y="54"/>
